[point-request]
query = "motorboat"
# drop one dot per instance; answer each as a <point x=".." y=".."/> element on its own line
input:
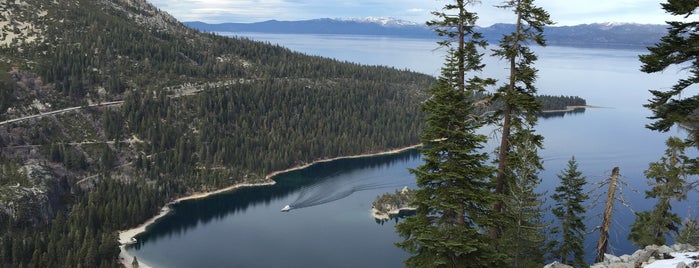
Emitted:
<point x="286" y="209"/>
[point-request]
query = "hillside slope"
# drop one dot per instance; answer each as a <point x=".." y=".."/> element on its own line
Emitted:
<point x="151" y="70"/>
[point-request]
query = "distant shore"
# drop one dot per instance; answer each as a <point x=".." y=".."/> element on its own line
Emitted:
<point x="127" y="237"/>
<point x="571" y="108"/>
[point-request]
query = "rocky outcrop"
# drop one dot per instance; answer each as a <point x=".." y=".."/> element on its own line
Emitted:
<point x="21" y="22"/>
<point x="646" y="256"/>
<point x="557" y="265"/>
<point x="682" y="255"/>
<point x="33" y="200"/>
<point x="390" y="205"/>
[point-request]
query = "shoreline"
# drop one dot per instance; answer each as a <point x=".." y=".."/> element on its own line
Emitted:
<point x="127" y="237"/>
<point x="572" y="108"/>
<point x="378" y="215"/>
<point x="394" y="151"/>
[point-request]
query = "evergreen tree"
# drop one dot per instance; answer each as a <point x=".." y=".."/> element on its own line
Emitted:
<point x="667" y="180"/>
<point x="519" y="229"/>
<point x="689" y="233"/>
<point x="517" y="95"/>
<point x="569" y="210"/>
<point x="678" y="47"/>
<point x="454" y="198"/>
<point x="521" y="226"/>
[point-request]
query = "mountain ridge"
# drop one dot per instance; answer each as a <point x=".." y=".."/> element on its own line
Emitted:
<point x="631" y="35"/>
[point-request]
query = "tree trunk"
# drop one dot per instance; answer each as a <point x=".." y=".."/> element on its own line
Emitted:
<point x="607" y="217"/>
<point x="506" y="126"/>
<point x="462" y="87"/>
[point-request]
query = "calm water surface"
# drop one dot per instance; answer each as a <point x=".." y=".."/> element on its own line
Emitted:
<point x="244" y="228"/>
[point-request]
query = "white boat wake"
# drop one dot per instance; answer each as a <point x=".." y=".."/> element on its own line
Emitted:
<point x="331" y="189"/>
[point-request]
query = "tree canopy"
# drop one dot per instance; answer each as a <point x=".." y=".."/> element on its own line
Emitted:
<point x="676" y="48"/>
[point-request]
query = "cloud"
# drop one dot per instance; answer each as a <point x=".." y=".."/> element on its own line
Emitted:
<point x="227" y="10"/>
<point x="587" y="11"/>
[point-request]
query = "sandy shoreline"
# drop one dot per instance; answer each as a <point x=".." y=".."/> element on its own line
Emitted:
<point x="271" y="175"/>
<point x="127" y="237"/>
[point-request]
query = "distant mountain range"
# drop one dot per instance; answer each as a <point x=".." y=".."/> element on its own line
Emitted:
<point x="630" y="35"/>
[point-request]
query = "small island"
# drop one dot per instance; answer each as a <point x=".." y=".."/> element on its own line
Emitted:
<point x="390" y="205"/>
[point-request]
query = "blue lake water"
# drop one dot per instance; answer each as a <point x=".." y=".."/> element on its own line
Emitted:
<point x="244" y="228"/>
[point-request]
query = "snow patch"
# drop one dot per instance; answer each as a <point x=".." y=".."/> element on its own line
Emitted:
<point x="688" y="258"/>
<point x="384" y="21"/>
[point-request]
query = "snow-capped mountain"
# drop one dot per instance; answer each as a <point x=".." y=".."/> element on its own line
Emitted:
<point x="608" y="34"/>
<point x="353" y="26"/>
<point x="385" y="21"/>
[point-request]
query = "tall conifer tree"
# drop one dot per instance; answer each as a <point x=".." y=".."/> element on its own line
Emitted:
<point x="521" y="224"/>
<point x="667" y="180"/>
<point x="669" y="107"/>
<point x="519" y="229"/>
<point x="570" y="211"/>
<point x="678" y="47"/>
<point x="454" y="200"/>
<point x="518" y="95"/>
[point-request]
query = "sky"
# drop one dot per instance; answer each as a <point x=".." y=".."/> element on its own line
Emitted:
<point x="563" y="12"/>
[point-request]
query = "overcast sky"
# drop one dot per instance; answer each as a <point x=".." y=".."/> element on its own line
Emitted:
<point x="563" y="12"/>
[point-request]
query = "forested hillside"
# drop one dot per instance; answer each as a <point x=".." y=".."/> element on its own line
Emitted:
<point x="155" y="111"/>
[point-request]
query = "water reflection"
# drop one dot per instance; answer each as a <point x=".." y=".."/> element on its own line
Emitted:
<point x="561" y="114"/>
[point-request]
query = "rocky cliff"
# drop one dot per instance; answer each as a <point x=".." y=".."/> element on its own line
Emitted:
<point x="35" y="196"/>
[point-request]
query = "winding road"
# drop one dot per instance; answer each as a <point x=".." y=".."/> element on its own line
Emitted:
<point x="111" y="103"/>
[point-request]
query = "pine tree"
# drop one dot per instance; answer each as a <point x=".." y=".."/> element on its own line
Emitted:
<point x="518" y="94"/>
<point x="521" y="224"/>
<point x="667" y="180"/>
<point x="570" y="211"/>
<point x="678" y="47"/>
<point x="689" y="233"/>
<point x="454" y="197"/>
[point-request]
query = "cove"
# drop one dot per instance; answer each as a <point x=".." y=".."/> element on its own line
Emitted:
<point x="245" y="228"/>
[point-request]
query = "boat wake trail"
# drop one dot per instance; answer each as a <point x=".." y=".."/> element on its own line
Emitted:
<point x="331" y="190"/>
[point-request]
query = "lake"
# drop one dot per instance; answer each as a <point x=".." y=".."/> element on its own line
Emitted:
<point x="245" y="228"/>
